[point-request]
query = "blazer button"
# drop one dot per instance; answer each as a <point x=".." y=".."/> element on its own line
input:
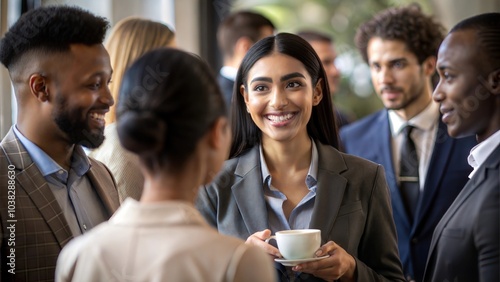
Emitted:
<point x="414" y="240"/>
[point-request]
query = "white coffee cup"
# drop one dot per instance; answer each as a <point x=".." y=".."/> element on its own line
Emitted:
<point x="298" y="243"/>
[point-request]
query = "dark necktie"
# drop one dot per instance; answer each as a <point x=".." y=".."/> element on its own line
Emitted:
<point x="408" y="172"/>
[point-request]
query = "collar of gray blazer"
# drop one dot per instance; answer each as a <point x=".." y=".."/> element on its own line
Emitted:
<point x="329" y="195"/>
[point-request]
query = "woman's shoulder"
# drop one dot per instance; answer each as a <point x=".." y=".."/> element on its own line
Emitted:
<point x="244" y="259"/>
<point x="97" y="234"/>
<point x="239" y="259"/>
<point x="84" y="245"/>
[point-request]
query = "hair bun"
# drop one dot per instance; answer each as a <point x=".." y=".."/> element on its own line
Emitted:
<point x="141" y="132"/>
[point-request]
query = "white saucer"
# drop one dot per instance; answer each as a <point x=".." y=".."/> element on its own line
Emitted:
<point x="294" y="262"/>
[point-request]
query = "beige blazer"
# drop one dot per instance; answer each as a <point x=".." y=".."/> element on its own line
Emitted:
<point x="123" y="164"/>
<point x="41" y="229"/>
<point x="163" y="241"/>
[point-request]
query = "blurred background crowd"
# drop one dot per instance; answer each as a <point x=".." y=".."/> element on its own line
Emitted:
<point x="195" y="23"/>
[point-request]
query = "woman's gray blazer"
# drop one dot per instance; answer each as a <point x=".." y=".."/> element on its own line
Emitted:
<point x="352" y="208"/>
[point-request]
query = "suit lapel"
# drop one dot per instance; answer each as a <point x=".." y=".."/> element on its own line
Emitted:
<point x="104" y="186"/>
<point x="34" y="184"/>
<point x="464" y="194"/>
<point x="384" y="150"/>
<point x="435" y="172"/>
<point x="330" y="192"/>
<point x="383" y="147"/>
<point x="478" y="178"/>
<point x="252" y="205"/>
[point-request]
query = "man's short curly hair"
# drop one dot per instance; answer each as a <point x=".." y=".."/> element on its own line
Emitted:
<point x="51" y="29"/>
<point x="421" y="34"/>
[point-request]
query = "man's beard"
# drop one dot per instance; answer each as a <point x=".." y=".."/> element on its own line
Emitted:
<point x="77" y="130"/>
<point x="79" y="133"/>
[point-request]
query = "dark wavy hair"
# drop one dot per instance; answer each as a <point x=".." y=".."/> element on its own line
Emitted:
<point x="51" y="29"/>
<point x="488" y="34"/>
<point x="321" y="126"/>
<point x="168" y="100"/>
<point x="421" y="34"/>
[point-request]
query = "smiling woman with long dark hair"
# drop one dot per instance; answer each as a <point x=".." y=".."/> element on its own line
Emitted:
<point x="285" y="171"/>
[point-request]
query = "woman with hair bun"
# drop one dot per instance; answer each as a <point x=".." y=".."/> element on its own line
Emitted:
<point x="172" y="115"/>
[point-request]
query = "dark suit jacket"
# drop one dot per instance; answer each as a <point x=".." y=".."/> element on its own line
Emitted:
<point x="352" y="208"/>
<point x="370" y="138"/>
<point x="41" y="230"/>
<point x="227" y="87"/>
<point x="465" y="245"/>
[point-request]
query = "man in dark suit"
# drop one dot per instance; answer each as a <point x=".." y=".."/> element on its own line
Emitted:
<point x="50" y="190"/>
<point x="235" y="35"/>
<point x="466" y="243"/>
<point x="425" y="168"/>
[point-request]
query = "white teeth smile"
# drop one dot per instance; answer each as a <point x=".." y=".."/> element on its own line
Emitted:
<point x="280" y="118"/>
<point x="97" y="116"/>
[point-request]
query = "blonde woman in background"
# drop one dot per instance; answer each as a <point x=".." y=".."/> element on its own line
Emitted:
<point x="129" y="39"/>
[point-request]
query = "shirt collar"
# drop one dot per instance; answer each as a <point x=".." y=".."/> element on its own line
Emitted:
<point x="312" y="174"/>
<point x="229" y="72"/>
<point x="134" y="213"/>
<point x="80" y="163"/>
<point x="480" y="152"/>
<point x="424" y="120"/>
<point x="47" y="166"/>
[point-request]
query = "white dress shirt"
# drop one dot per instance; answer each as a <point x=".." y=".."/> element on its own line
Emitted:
<point x="482" y="151"/>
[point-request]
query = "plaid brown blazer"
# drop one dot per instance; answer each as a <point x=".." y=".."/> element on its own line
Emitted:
<point x="41" y="230"/>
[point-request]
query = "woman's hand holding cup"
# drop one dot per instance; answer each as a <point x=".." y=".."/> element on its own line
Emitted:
<point x="259" y="239"/>
<point x="298" y="243"/>
<point x="338" y="265"/>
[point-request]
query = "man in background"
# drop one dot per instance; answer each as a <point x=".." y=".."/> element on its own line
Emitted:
<point x="235" y="35"/>
<point x="425" y="167"/>
<point x="324" y="47"/>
